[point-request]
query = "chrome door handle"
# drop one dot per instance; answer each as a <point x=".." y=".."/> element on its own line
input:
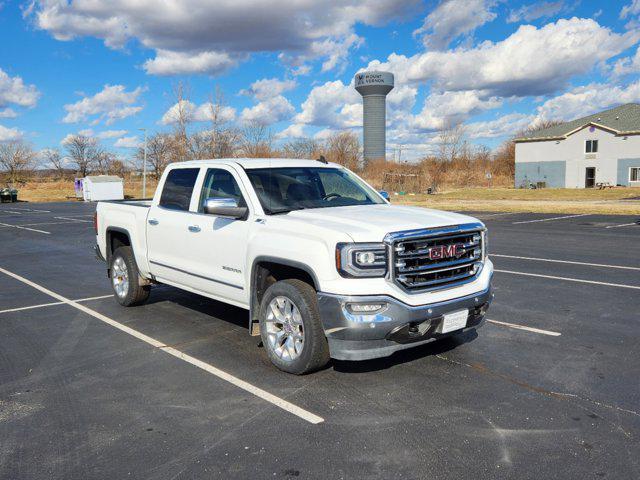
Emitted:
<point x="194" y="228"/>
<point x="153" y="221"/>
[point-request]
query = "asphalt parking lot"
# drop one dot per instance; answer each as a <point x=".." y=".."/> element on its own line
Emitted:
<point x="178" y="389"/>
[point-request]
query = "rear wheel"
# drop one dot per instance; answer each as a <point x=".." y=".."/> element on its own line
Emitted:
<point x="125" y="278"/>
<point x="290" y="327"/>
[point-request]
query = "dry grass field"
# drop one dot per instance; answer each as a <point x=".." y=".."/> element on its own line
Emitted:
<point x="62" y="190"/>
<point x="615" y="201"/>
<point x="622" y="201"/>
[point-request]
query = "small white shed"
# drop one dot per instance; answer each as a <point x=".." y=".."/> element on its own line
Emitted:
<point x="102" y="187"/>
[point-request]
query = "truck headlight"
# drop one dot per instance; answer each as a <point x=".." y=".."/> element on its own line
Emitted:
<point x="361" y="259"/>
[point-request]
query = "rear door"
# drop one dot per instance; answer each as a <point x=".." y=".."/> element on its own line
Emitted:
<point x="168" y="223"/>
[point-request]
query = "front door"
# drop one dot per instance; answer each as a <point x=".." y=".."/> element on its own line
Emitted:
<point x="215" y="248"/>
<point x="590" y="177"/>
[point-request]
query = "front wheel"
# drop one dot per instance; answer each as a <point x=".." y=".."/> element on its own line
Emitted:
<point x="291" y="329"/>
<point x="125" y="278"/>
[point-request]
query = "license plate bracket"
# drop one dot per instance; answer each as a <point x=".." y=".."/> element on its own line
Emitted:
<point x="454" y="321"/>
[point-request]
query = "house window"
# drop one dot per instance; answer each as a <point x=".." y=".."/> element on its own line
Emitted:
<point x="634" y="174"/>
<point x="591" y="146"/>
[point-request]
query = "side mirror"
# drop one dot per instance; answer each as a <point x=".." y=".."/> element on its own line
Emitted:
<point x="225" y="207"/>
<point x="384" y="194"/>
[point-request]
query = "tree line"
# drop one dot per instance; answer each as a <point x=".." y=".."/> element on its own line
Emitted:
<point x="455" y="161"/>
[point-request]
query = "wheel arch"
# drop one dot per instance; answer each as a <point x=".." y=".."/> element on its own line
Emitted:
<point x="116" y="237"/>
<point x="264" y="270"/>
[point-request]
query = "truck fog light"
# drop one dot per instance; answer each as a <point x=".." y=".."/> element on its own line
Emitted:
<point x="366" y="308"/>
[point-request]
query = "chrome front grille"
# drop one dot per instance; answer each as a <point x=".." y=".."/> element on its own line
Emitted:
<point x="436" y="258"/>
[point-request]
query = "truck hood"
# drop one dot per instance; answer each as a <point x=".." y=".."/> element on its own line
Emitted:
<point x="370" y="223"/>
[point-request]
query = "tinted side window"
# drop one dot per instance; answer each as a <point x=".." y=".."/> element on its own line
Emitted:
<point x="220" y="184"/>
<point x="176" y="194"/>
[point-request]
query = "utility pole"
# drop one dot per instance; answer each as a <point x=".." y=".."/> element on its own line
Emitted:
<point x="144" y="165"/>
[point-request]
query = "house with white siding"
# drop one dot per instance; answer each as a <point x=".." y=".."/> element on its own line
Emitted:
<point x="598" y="149"/>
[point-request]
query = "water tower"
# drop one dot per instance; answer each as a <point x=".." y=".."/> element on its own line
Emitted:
<point x="374" y="87"/>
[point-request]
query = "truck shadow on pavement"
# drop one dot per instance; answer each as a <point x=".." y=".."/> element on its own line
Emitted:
<point x="213" y="310"/>
<point x="405" y="356"/>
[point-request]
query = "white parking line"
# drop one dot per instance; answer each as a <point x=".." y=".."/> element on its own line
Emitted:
<point x="550" y="219"/>
<point x="79" y="220"/>
<point x="80" y="215"/>
<point x="528" y="329"/>
<point x="252" y="389"/>
<point x="24" y="228"/>
<point x="26" y="210"/>
<point x="19" y="309"/>
<point x="578" y="280"/>
<point x="487" y="215"/>
<point x="565" y="261"/>
<point x="625" y="225"/>
<point x="50" y="223"/>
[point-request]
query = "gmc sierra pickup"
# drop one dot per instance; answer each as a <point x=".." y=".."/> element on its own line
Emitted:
<point x="326" y="266"/>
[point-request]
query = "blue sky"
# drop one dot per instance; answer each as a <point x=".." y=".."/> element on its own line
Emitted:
<point x="108" y="68"/>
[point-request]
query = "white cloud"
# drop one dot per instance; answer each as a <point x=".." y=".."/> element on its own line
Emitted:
<point x="204" y="36"/>
<point x="629" y="10"/>
<point x="534" y="11"/>
<point x="127" y="142"/>
<point x="451" y="108"/>
<point x="269" y="87"/>
<point x="207" y="111"/>
<point x="295" y="130"/>
<point x="268" y="112"/>
<point x="14" y="91"/>
<point x="8" y="113"/>
<point x="587" y="100"/>
<point x="111" y="134"/>
<point x="454" y="18"/>
<point x="332" y="104"/>
<point x="335" y="51"/>
<point x="189" y="63"/>
<point x="532" y="61"/>
<point x="198" y="113"/>
<point x="507" y="125"/>
<point x="111" y="104"/>
<point x="627" y="65"/>
<point x="8" y="134"/>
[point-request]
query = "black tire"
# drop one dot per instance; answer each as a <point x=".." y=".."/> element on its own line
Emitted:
<point x="315" y="350"/>
<point x="134" y="294"/>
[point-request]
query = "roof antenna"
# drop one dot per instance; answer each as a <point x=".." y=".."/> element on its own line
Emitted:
<point x="322" y="159"/>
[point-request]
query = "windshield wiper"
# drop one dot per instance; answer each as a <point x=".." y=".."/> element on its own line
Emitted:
<point x="285" y="210"/>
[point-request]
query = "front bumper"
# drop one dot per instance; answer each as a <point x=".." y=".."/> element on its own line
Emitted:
<point x="397" y="327"/>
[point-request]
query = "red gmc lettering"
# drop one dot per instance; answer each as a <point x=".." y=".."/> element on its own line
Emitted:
<point x="446" y="251"/>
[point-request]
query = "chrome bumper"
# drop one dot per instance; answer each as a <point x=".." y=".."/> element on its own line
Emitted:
<point x="396" y="327"/>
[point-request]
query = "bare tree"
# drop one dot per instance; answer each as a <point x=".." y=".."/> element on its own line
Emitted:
<point x="103" y="161"/>
<point x="53" y="159"/>
<point x="302" y="148"/>
<point x="537" y="125"/>
<point x="451" y="142"/>
<point x="117" y="166"/>
<point x="344" y="148"/>
<point x="256" y="141"/>
<point x="223" y="140"/>
<point x="159" y="153"/>
<point x="182" y="117"/>
<point x="82" y="152"/>
<point x="17" y="158"/>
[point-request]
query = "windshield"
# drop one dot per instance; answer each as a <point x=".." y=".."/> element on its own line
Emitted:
<point x="282" y="190"/>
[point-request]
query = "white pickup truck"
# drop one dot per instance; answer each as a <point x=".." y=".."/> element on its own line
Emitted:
<point x="326" y="266"/>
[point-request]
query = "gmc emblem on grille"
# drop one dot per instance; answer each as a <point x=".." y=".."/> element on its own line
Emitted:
<point x="446" y="251"/>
